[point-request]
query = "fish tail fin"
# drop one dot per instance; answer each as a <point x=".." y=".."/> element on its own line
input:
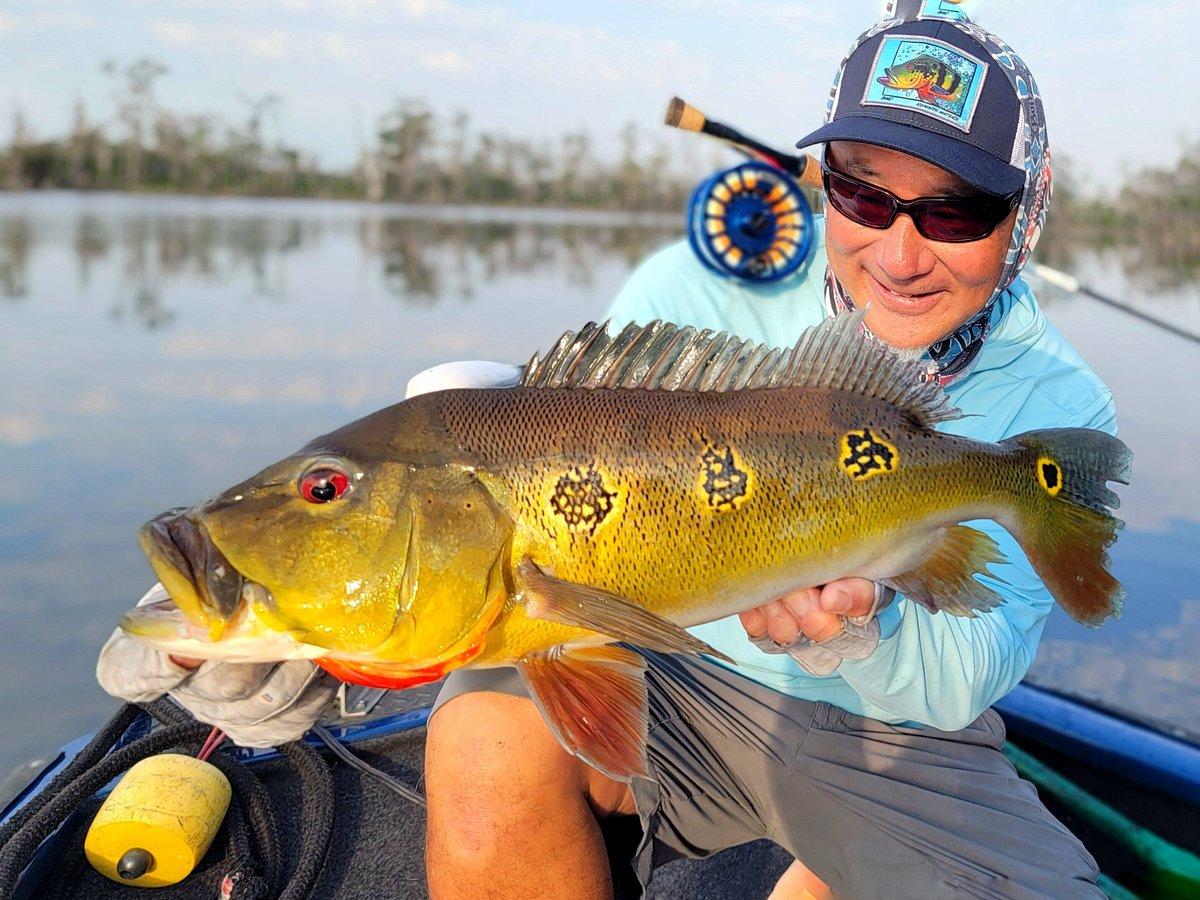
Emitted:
<point x="1066" y="527"/>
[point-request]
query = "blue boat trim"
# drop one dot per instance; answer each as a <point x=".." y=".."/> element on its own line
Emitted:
<point x="351" y="732"/>
<point x="1132" y="751"/>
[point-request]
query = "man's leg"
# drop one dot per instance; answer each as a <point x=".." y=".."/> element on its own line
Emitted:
<point x="512" y="814"/>
<point x="799" y="883"/>
<point x="875" y="810"/>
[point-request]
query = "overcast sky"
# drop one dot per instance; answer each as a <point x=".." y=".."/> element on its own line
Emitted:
<point x="1121" y="80"/>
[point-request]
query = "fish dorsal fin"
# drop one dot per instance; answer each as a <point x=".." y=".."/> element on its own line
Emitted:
<point x="836" y="354"/>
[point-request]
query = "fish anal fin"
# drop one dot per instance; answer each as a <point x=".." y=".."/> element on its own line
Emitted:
<point x="584" y="606"/>
<point x="945" y="579"/>
<point x="594" y="700"/>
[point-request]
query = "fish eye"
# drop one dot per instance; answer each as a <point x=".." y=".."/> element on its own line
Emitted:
<point x="323" y="483"/>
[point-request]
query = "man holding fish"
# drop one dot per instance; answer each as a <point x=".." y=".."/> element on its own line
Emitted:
<point x="844" y="721"/>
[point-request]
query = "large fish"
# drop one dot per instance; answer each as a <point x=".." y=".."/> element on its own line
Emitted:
<point x="628" y="488"/>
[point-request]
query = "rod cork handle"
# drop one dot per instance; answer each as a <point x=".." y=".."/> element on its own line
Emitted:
<point x="803" y="168"/>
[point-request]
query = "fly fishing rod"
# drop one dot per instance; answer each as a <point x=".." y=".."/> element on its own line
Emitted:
<point x="1073" y="285"/>
<point x="803" y="168"/>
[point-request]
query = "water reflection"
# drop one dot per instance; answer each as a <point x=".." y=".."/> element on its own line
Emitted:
<point x="1147" y="665"/>
<point x="1151" y="268"/>
<point x="420" y="257"/>
<point x="15" y="242"/>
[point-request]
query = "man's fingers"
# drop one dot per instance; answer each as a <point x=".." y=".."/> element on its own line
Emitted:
<point x="774" y="619"/>
<point x="815" y="613"/>
<point x="848" y="597"/>
<point x="754" y="622"/>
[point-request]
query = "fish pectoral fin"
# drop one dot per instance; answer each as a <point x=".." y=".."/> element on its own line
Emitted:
<point x="594" y="700"/>
<point x="945" y="579"/>
<point x="584" y="606"/>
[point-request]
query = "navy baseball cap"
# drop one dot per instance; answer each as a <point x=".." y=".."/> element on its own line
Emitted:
<point x="931" y="88"/>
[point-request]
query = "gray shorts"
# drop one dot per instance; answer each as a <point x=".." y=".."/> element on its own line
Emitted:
<point x="875" y="810"/>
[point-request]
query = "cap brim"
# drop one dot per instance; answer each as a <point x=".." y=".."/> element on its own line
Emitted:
<point x="974" y="166"/>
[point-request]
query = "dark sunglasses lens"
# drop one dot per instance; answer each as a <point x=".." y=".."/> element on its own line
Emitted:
<point x="964" y="220"/>
<point x="860" y="202"/>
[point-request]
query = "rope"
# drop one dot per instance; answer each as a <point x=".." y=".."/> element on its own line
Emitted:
<point x="253" y="832"/>
<point x="96" y="748"/>
<point x="254" y="860"/>
<point x="19" y="849"/>
<point x="317" y="813"/>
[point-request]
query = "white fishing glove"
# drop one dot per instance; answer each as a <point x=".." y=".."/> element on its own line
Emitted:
<point x="857" y="640"/>
<point x="257" y="704"/>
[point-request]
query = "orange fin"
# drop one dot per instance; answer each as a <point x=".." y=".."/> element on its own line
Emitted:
<point x="594" y="699"/>
<point x="584" y="606"/>
<point x="945" y="579"/>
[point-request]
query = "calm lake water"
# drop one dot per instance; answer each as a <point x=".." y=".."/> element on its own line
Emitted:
<point x="156" y="350"/>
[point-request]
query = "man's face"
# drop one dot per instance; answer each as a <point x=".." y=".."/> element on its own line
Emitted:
<point x="919" y="290"/>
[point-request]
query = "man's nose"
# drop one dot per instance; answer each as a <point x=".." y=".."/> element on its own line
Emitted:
<point x="901" y="251"/>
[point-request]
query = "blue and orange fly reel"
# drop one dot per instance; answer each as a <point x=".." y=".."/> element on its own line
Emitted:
<point x="750" y="223"/>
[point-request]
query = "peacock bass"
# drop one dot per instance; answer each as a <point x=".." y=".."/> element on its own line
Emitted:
<point x="630" y="487"/>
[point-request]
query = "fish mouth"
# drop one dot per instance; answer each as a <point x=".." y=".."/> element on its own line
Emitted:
<point x="197" y="575"/>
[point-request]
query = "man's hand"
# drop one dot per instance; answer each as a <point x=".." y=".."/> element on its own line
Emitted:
<point x="816" y="612"/>
<point x="820" y="626"/>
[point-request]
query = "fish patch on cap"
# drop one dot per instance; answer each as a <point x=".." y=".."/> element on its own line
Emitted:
<point x="926" y="76"/>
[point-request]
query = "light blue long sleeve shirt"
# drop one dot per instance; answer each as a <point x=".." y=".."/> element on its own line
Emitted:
<point x="934" y="669"/>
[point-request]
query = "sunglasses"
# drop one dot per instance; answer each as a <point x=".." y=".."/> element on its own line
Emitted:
<point x="954" y="220"/>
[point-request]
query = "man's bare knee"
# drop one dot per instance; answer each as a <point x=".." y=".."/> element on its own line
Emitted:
<point x="492" y="765"/>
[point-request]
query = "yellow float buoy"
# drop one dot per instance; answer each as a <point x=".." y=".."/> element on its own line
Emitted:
<point x="158" y="821"/>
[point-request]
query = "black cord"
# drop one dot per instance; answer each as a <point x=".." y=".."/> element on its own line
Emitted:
<point x="253" y="832"/>
<point x="96" y="748"/>
<point x="351" y="759"/>
<point x="254" y="856"/>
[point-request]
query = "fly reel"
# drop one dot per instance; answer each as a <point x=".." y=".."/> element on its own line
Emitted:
<point x="750" y="223"/>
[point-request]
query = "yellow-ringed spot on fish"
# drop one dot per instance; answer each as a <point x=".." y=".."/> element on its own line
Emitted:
<point x="749" y="477"/>
<point x="1050" y="475"/>
<point x="865" y="454"/>
<point x="725" y="481"/>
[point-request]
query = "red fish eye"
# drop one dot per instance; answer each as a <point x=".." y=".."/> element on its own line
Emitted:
<point x="323" y="485"/>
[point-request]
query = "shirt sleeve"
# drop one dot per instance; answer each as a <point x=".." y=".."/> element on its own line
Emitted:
<point x="943" y="670"/>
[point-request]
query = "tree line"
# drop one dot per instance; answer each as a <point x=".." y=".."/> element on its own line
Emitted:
<point x="1152" y="221"/>
<point x="416" y="156"/>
